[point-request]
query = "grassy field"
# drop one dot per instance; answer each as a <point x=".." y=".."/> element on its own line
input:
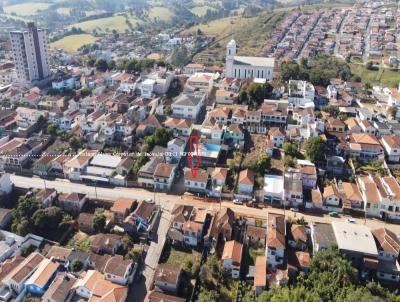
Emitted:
<point x="160" y="13"/>
<point x="103" y="24"/>
<point x="251" y="35"/>
<point x="386" y="77"/>
<point x="200" y="10"/>
<point x="176" y="257"/>
<point x="63" y="10"/>
<point x="26" y="9"/>
<point x="73" y="42"/>
<point x="155" y="56"/>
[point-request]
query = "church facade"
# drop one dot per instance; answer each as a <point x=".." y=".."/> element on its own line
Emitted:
<point x="247" y="67"/>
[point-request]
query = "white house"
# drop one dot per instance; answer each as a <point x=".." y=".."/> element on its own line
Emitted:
<point x="331" y="195"/>
<point x="175" y="148"/>
<point x="5" y="183"/>
<point x="273" y="189"/>
<point x="164" y="176"/>
<point x="391" y="144"/>
<point x="232" y="257"/>
<point x="246" y="182"/>
<point x="118" y="270"/>
<point x="276" y="242"/>
<point x="188" y="106"/>
<point x="196" y="182"/>
<point x="301" y="93"/>
<point x="247" y="67"/>
<point x="147" y="87"/>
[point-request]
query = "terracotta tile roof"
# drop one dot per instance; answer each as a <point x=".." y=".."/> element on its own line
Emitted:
<point x="260" y="278"/>
<point x="122" y="204"/>
<point x="232" y="250"/>
<point x="299" y="232"/>
<point x="387" y="241"/>
<point x="201" y="176"/>
<point x="316" y="197"/>
<point x="166" y="273"/>
<point x="364" y="138"/>
<point x="43" y="273"/>
<point x="331" y="190"/>
<point x="164" y="170"/>
<point x="105" y="240"/>
<point x="371" y="190"/>
<point x="276" y="231"/>
<point x="81" y="159"/>
<point x="58" y="253"/>
<point x="181" y="213"/>
<point x="117" y="266"/>
<point x="220" y="112"/>
<point x="393" y="187"/>
<point x="334" y="122"/>
<point x="276" y="131"/>
<point x="44" y="194"/>
<point x="351" y="123"/>
<point x="218" y="173"/>
<point x="256" y="232"/>
<point x="246" y="177"/>
<point x="351" y="191"/>
<point x="192" y="226"/>
<point x="156" y="296"/>
<point x="98" y="261"/>
<point x="60" y="288"/>
<point x="25" y="268"/>
<point x="9" y="265"/>
<point x="392" y="140"/>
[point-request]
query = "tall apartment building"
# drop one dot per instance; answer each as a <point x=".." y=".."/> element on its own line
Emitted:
<point x="30" y="52"/>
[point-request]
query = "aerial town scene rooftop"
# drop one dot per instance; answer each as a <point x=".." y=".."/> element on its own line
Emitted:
<point x="207" y="151"/>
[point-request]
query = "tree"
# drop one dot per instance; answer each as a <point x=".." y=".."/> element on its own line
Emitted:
<point x="90" y="62"/>
<point x="75" y="143"/>
<point x="289" y="161"/>
<point x="99" y="223"/>
<point x="263" y="164"/>
<point x="290" y="149"/>
<point x="332" y="110"/>
<point x="76" y="265"/>
<point x="101" y="65"/>
<point x="315" y="149"/>
<point x="86" y="92"/>
<point x="111" y="65"/>
<point x="180" y="56"/>
<point x="369" y="65"/>
<point x="392" y="112"/>
<point x="243" y="97"/>
<point x="52" y="129"/>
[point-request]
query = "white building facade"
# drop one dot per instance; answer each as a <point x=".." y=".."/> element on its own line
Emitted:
<point x="30" y="53"/>
<point x="247" y="67"/>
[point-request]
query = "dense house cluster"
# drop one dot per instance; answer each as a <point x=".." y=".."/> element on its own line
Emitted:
<point x="366" y="32"/>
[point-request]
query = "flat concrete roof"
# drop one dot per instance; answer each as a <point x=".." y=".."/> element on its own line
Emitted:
<point x="354" y="237"/>
<point x="273" y="184"/>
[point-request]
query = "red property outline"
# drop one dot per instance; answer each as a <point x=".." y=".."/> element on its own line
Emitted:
<point x="190" y="155"/>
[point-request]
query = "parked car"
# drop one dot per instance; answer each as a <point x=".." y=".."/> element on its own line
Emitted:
<point x="149" y="200"/>
<point x="294" y="210"/>
<point x="237" y="201"/>
<point x="333" y="214"/>
<point x="350" y="220"/>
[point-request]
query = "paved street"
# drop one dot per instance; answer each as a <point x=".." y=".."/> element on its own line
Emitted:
<point x="168" y="201"/>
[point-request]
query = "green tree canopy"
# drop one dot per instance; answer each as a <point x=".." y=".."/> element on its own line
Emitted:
<point x="315" y="149"/>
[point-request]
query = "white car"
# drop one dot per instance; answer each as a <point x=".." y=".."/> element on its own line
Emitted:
<point x="294" y="209"/>
<point x="149" y="200"/>
<point x="350" y="220"/>
<point x="237" y="201"/>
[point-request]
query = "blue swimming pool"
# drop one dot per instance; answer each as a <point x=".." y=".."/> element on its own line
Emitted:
<point x="212" y="147"/>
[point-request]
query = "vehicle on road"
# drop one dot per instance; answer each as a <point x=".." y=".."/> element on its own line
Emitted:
<point x="294" y="210"/>
<point x="350" y="220"/>
<point x="149" y="200"/>
<point x="333" y="214"/>
<point x="237" y="201"/>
